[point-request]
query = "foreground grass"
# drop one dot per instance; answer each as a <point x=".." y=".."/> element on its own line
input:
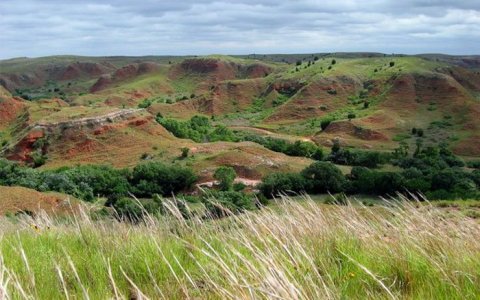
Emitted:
<point x="296" y="250"/>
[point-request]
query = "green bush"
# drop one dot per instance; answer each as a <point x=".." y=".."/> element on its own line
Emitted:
<point x="282" y="183"/>
<point x="322" y="177"/>
<point x="225" y="176"/>
<point x="224" y="203"/>
<point x="157" y="178"/>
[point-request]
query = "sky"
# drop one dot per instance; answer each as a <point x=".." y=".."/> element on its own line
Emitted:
<point x="35" y="28"/>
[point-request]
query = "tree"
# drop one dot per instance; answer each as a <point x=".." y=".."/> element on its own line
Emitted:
<point x="334" y="61"/>
<point x="225" y="176"/>
<point x="351" y="116"/>
<point x="324" y="123"/>
<point x="185" y="152"/>
<point x="392" y="63"/>
<point x="157" y="178"/>
<point x="276" y="183"/>
<point x="324" y="177"/>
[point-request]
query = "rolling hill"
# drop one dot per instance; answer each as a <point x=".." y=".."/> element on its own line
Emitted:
<point x="101" y="110"/>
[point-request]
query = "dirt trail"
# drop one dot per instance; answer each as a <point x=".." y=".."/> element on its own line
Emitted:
<point x="271" y="133"/>
<point x="245" y="181"/>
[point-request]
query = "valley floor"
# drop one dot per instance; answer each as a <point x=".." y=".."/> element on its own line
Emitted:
<point x="291" y="250"/>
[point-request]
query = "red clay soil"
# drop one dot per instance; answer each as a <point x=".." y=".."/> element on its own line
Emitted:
<point x="230" y="96"/>
<point x="124" y="73"/>
<point x="309" y="99"/>
<point x="342" y="128"/>
<point x="10" y="108"/>
<point x="218" y="70"/>
<point x="84" y="69"/>
<point x="469" y="146"/>
<point x="24" y="148"/>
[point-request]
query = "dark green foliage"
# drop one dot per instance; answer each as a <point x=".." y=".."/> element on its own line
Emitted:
<point x="332" y="91"/>
<point x="145" y="103"/>
<point x="224" y="203"/>
<point x="474" y="164"/>
<point x="128" y="209"/>
<point x="38" y="159"/>
<point x="299" y="148"/>
<point x="420" y="132"/>
<point x="288" y="183"/>
<point x="298" y="63"/>
<point x="83" y="182"/>
<point x="392" y="63"/>
<point x="351" y="116"/>
<point x="185" y="152"/>
<point x="280" y="100"/>
<point x="366" y="181"/>
<point x="198" y="129"/>
<point x="225" y="176"/>
<point x="334" y="61"/>
<point x="324" y="177"/>
<point x="365" y="158"/>
<point x="157" y="178"/>
<point x="324" y="123"/>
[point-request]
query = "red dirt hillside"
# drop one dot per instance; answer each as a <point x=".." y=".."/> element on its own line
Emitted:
<point x="219" y="69"/>
<point x="124" y="73"/>
<point x="10" y="108"/>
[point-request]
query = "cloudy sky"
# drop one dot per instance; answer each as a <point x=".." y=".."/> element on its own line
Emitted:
<point x="142" y="27"/>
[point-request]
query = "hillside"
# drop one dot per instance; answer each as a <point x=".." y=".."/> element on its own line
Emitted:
<point x="66" y="110"/>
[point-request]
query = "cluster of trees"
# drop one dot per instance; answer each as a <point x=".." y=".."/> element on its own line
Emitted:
<point x="434" y="171"/>
<point x="87" y="182"/>
<point x="198" y="129"/>
<point x="351" y="157"/>
<point x="226" y="200"/>
<point x="298" y="148"/>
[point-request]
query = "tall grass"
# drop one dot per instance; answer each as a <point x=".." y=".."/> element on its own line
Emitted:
<point x="293" y="250"/>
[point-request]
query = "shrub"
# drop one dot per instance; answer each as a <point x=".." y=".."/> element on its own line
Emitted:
<point x="304" y="149"/>
<point x="334" y="61"/>
<point x="324" y="177"/>
<point x="185" y="152"/>
<point x="225" y="176"/>
<point x="224" y="203"/>
<point x="128" y="209"/>
<point x="324" y="123"/>
<point x="157" y="178"/>
<point x="351" y="116"/>
<point x="474" y="164"/>
<point x="392" y="63"/>
<point x="277" y="183"/>
<point x="420" y="132"/>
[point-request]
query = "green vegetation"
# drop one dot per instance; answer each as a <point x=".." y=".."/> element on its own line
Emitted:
<point x="299" y="250"/>
<point x="225" y="177"/>
<point x="435" y="172"/>
<point x="198" y="129"/>
<point x="298" y="148"/>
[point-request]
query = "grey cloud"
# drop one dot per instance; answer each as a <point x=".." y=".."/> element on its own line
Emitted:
<point x="127" y="27"/>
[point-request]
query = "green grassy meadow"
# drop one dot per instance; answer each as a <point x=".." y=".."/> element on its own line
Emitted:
<point x="290" y="250"/>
